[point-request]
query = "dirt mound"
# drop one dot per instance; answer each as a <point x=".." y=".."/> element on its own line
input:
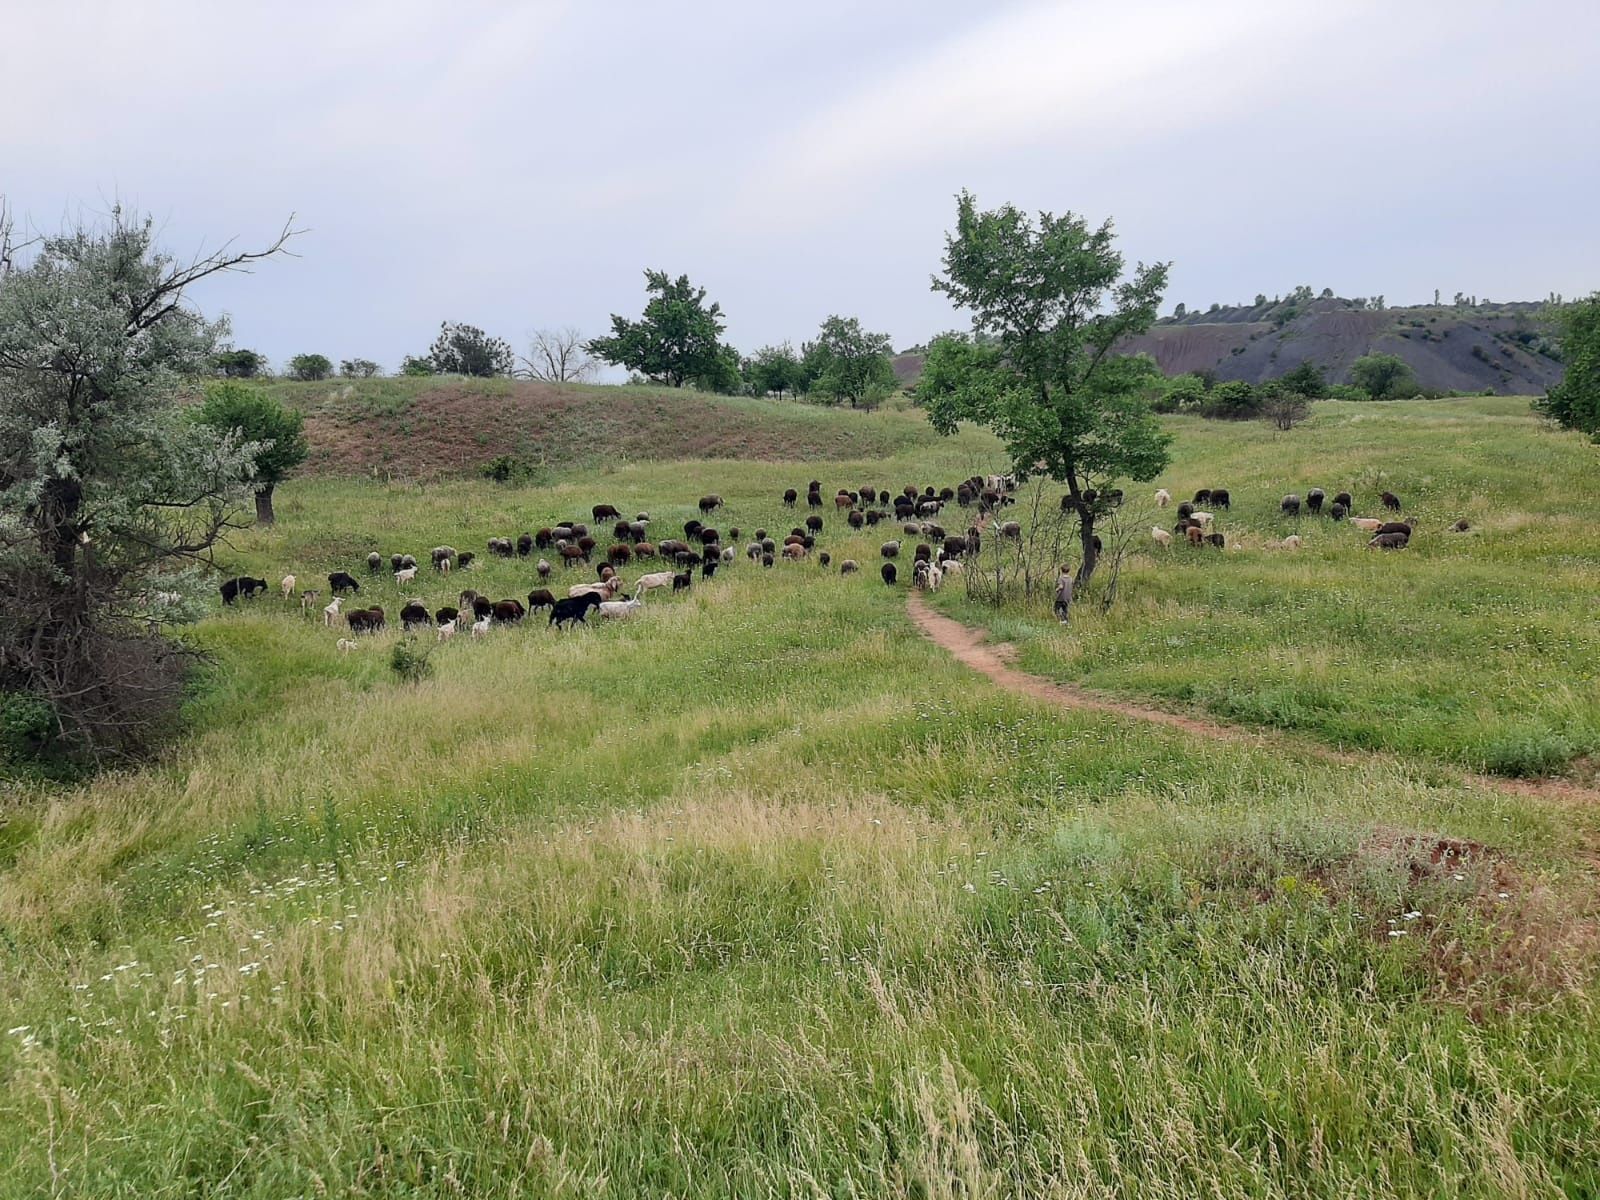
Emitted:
<point x="457" y="426"/>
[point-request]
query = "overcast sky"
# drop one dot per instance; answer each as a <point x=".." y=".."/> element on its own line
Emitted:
<point x="517" y="165"/>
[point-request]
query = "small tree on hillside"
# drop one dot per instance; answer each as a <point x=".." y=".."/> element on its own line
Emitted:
<point x="277" y="433"/>
<point x="1281" y="408"/>
<point x="678" y="340"/>
<point x="1051" y="386"/>
<point x="1384" y="376"/>
<point x="1574" y="403"/>
<point x="462" y="349"/>
<point x="1306" y="380"/>
<point x="239" y="364"/>
<point x="559" y="356"/>
<point x="773" y="370"/>
<point x="310" y="367"/>
<point x="358" y="368"/>
<point x="415" y="365"/>
<point x="849" y="363"/>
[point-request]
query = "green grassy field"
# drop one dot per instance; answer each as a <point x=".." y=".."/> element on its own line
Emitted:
<point x="759" y="893"/>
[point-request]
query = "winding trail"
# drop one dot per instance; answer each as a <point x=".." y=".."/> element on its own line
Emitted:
<point x="972" y="648"/>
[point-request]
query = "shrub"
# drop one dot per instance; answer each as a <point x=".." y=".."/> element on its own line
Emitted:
<point x="1235" y="400"/>
<point x="310" y="366"/>
<point x="1384" y="376"/>
<point x="467" y="350"/>
<point x="505" y="468"/>
<point x="413" y="364"/>
<point x="27" y="726"/>
<point x="409" y="662"/>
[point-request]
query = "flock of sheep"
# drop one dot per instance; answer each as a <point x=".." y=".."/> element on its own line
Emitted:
<point x="572" y="544"/>
<point x="1197" y="527"/>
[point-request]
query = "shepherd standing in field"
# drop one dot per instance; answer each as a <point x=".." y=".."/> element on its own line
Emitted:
<point x="1064" y="594"/>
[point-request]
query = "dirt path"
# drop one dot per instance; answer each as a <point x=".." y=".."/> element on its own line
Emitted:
<point x="972" y="648"/>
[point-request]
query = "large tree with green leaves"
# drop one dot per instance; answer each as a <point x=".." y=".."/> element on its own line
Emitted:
<point x="1050" y="305"/>
<point x="678" y="340"/>
<point x="462" y="349"/>
<point x="1384" y="376"/>
<point x="846" y="362"/>
<point x="773" y="370"/>
<point x="1574" y="403"/>
<point x="110" y="496"/>
<point x="312" y="367"/>
<point x="278" y="433"/>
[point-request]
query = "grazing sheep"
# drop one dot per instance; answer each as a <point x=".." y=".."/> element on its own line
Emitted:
<point x="1220" y="498"/>
<point x="889" y="549"/>
<point x="509" y="612"/>
<point x="1011" y="529"/>
<point x="574" y="608"/>
<point x="710" y="503"/>
<point x="1460" y="526"/>
<point x="927" y="577"/>
<point x="464" y="559"/>
<point x="683" y="582"/>
<point x="605" y="589"/>
<point x="374" y="562"/>
<point x="446" y="631"/>
<point x="1391" y="502"/>
<point x="856" y="518"/>
<point x="545" y="538"/>
<point x="413" y="614"/>
<point x="814" y="523"/>
<point x="638" y="530"/>
<point x="242" y="586"/>
<point x="482" y="607"/>
<point x="656" y="579"/>
<point x="1203" y="519"/>
<point x="604" y="512"/>
<point x="480" y="627"/>
<point x="874" y="515"/>
<point x="543" y="568"/>
<point x="889" y="573"/>
<point x="309" y="597"/>
<point x="1290" y="505"/>
<point x="620" y="553"/>
<point x="346" y="645"/>
<point x="287" y="585"/>
<point x="1163" y="497"/>
<point x="1344" y="499"/>
<point x="1195" y="535"/>
<point x="541" y="598"/>
<point x="1337" y="511"/>
<point x="501" y="547"/>
<point x="586" y="545"/>
<point x="767" y="559"/>
<point x="569" y="554"/>
<point x="923" y="553"/>
<point x="442" y="557"/>
<point x="1161" y="536"/>
<point x="727" y="555"/>
<point x="842" y="499"/>
<point x="1404" y="527"/>
<point x="396" y="561"/>
<point x="1314" y="499"/>
<point x="1203" y="496"/>
<point x="1390" y="541"/>
<point x="331" y="611"/>
<point x="446" y="614"/>
<point x="709" y="537"/>
<point x="849" y="567"/>
<point x="405" y="575"/>
<point x="407" y="562"/>
<point x="365" y="620"/>
<point x="644" y="550"/>
<point x="813" y="499"/>
<point x="1184" y="510"/>
<point x="1217" y="540"/>
<point x="794" y="551"/>
<point x="824" y="559"/>
<point x="1366" y="524"/>
<point x="1292" y="542"/>
<point x="615" y="609"/>
<point x="789" y="497"/>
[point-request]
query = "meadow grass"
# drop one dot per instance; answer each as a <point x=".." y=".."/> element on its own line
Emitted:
<point x="760" y="893"/>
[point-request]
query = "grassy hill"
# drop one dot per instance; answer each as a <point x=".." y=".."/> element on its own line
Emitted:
<point x="454" y="425"/>
<point x="761" y="893"/>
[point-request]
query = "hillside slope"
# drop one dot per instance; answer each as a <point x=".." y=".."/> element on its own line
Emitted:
<point x="1499" y="348"/>
<point x="455" y="425"/>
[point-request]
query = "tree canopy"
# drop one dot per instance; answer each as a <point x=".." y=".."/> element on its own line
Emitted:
<point x="1384" y="376"/>
<point x="239" y="364"/>
<point x="848" y="363"/>
<point x="254" y="417"/>
<point x="310" y="366"/>
<point x="1051" y="297"/>
<point x="462" y="349"/>
<point x="678" y="340"/>
<point x="1306" y="380"/>
<point x="773" y="370"/>
<point x="1574" y="403"/>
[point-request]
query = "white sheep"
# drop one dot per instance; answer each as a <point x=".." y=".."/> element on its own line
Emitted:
<point x="1161" y="535"/>
<point x="620" y="608"/>
<point x="1292" y="542"/>
<point x="287" y="585"/>
<point x="1204" y="518"/>
<point x="952" y="566"/>
<point x="1366" y="524"/>
<point x="332" y="610"/>
<point x="1163" y="497"/>
<point x="347" y="644"/>
<point x="605" y="589"/>
<point x="480" y="628"/>
<point x="404" y="575"/>
<point x="447" y="630"/>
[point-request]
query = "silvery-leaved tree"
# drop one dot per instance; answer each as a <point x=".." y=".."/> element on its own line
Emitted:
<point x="1050" y="307"/>
<point x="111" y="497"/>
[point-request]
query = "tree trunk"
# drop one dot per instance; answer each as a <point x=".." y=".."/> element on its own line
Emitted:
<point x="264" y="514"/>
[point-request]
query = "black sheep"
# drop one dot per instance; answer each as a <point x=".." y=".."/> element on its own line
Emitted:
<point x="1391" y="502"/>
<point x="242" y="586"/>
<point x="709" y="568"/>
<point x="824" y="559"/>
<point x="604" y="512"/>
<point x="682" y="583"/>
<point x="814" y="523"/>
<point x="482" y="607"/>
<point x="464" y="559"/>
<point x="767" y="559"/>
<point x="1289" y="505"/>
<point x="573" y="608"/>
<point x="1220" y="498"/>
<point x="374" y="562"/>
<point x="1203" y="496"/>
<point x="710" y="503"/>
<point x="814" y="499"/>
<point x="509" y="612"/>
<point x="339" y="583"/>
<point x="1185" y="509"/>
<point x="396" y="561"/>
<point x="923" y="553"/>
<point x="413" y="615"/>
<point x="1337" y="511"/>
<point x="544" y="538"/>
<point x="1395" y="527"/>
<point x="1216" y="539"/>
<point x="1314" y="499"/>
<point x="446" y="614"/>
<point x="1389" y="541"/>
<point x="789" y="497"/>
<point x="856" y="518"/>
<point x="889" y="573"/>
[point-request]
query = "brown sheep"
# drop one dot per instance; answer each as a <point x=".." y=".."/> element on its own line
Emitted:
<point x="1389" y="541"/>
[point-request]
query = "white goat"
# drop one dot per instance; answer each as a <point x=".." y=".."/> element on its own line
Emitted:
<point x="288" y="586"/>
<point x="1163" y="497"/>
<point x="656" y="579"/>
<point x="1161" y="535"/>
<point x="404" y="575"/>
<point x="620" y="608"/>
<point x="480" y="628"/>
<point x="332" y="610"/>
<point x="447" y="630"/>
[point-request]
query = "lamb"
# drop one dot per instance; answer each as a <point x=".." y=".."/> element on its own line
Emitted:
<point x="1292" y="542"/>
<point x="1391" y="501"/>
<point x="405" y="576"/>
<point x="1366" y="524"/>
<point x="927" y="577"/>
<point x="656" y="579"/>
<point x="331" y="611"/>
<point x="1194" y="534"/>
<point x="824" y="559"/>
<point x="1163" y="497"/>
<point x="346" y="645"/>
<point x="480" y="627"/>
<point x="728" y="555"/>
<point x="309" y="597"/>
<point x="287" y="584"/>
<point x="464" y="559"/>
<point x="889" y="574"/>
<point x="1393" y="540"/>
<point x="1161" y="536"/>
<point x="446" y="631"/>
